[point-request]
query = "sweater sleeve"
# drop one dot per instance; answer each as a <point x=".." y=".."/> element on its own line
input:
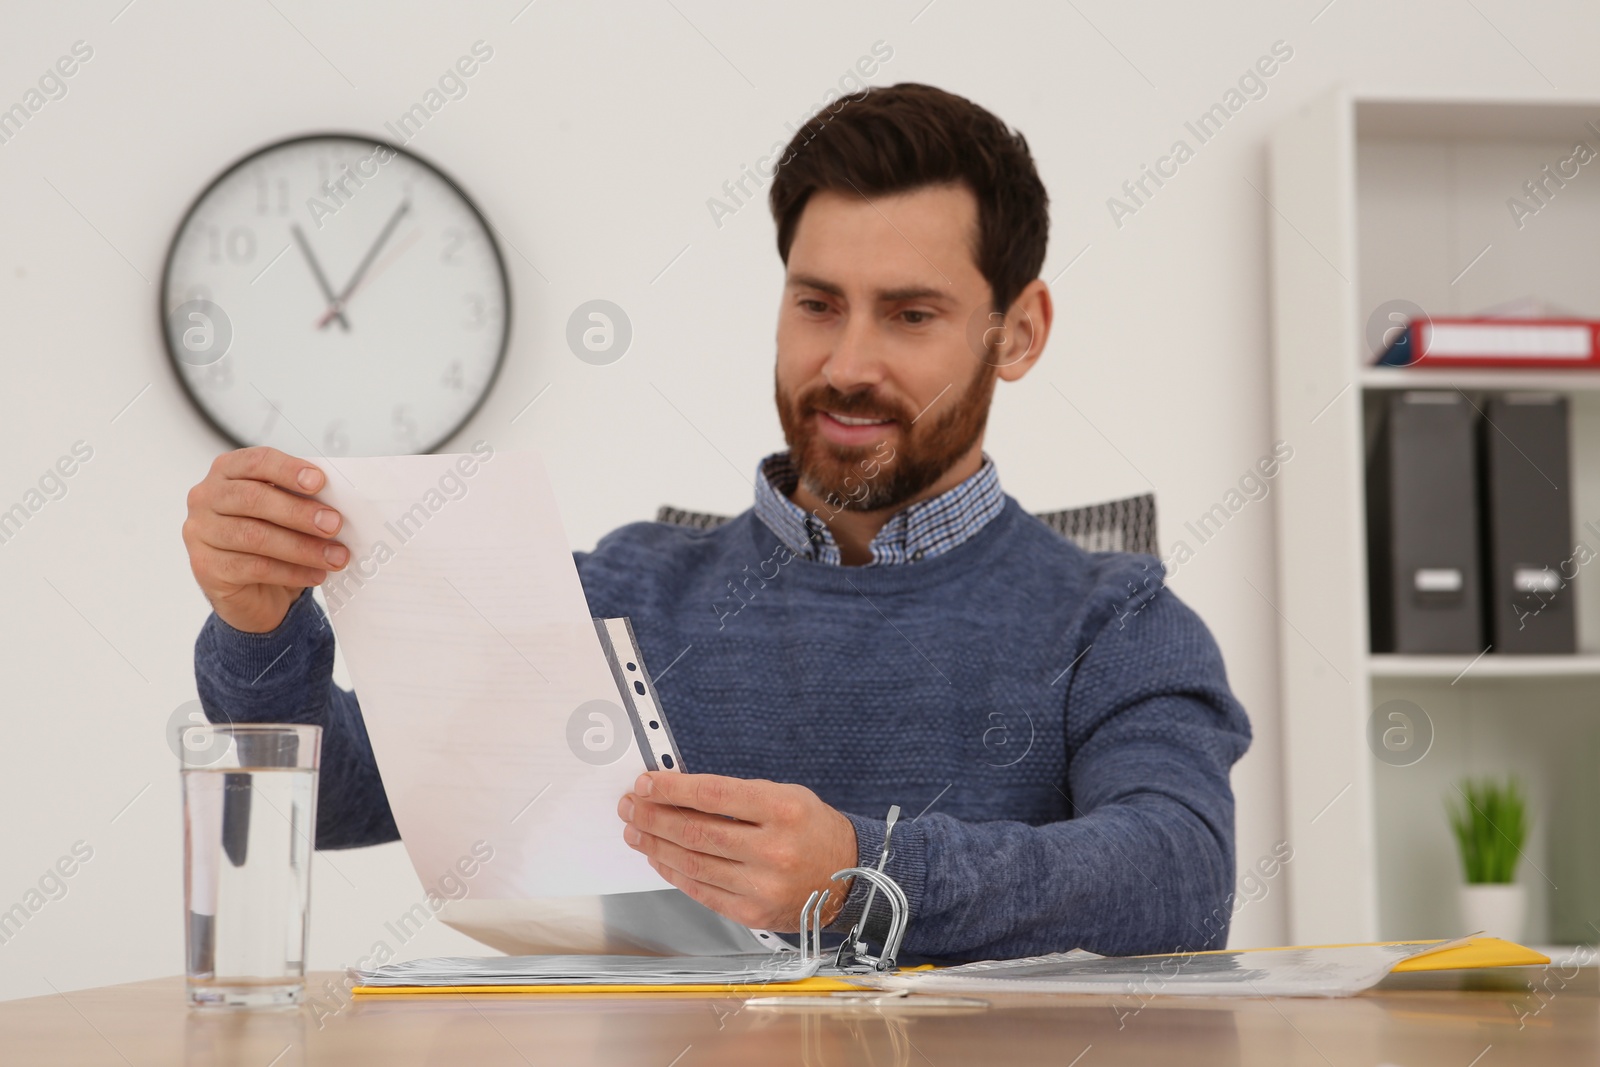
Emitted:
<point x="286" y="675"/>
<point x="1145" y="863"/>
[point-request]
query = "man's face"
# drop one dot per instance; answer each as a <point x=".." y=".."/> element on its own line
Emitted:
<point x="874" y="358"/>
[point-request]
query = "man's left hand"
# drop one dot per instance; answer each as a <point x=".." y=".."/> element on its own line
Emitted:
<point x="748" y="849"/>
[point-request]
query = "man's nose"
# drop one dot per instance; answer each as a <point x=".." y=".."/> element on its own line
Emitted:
<point x="854" y="364"/>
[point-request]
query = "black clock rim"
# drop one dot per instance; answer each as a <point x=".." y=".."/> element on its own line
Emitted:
<point x="175" y="364"/>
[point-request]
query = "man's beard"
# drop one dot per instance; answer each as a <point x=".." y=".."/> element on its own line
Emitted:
<point x="870" y="477"/>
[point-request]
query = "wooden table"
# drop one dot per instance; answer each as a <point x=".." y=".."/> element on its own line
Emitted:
<point x="1533" y="1015"/>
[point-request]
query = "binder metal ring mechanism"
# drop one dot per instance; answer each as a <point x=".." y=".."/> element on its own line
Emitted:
<point x="852" y="957"/>
<point x="660" y="751"/>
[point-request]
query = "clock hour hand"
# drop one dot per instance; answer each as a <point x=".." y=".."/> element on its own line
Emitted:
<point x="316" y="271"/>
<point x="336" y="307"/>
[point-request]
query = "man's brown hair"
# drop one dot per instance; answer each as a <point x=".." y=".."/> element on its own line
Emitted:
<point x="906" y="136"/>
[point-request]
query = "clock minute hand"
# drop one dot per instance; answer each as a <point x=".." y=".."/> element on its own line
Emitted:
<point x="336" y="308"/>
<point x="316" y="271"/>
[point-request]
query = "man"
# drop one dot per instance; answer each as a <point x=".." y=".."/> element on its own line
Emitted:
<point x="884" y="626"/>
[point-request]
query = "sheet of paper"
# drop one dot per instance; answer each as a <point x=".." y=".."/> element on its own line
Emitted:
<point x="1326" y="971"/>
<point x="468" y="638"/>
<point x="663" y="923"/>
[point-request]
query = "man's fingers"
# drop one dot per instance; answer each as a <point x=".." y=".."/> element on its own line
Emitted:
<point x="710" y="869"/>
<point x="731" y="905"/>
<point x="264" y="464"/>
<point x="241" y="568"/>
<point x="265" y="484"/>
<point x="688" y="828"/>
<point x="741" y="798"/>
<point x="259" y="500"/>
<point x="260" y="538"/>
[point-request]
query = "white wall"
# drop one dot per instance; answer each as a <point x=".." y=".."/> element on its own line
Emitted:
<point x="592" y="141"/>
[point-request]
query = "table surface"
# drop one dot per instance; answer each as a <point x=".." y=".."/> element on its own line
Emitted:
<point x="1533" y="1015"/>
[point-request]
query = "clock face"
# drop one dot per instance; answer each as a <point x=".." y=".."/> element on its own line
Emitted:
<point x="334" y="295"/>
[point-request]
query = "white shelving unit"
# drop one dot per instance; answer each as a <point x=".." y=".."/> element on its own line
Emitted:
<point x="1466" y="378"/>
<point x="1455" y="669"/>
<point x="1376" y="198"/>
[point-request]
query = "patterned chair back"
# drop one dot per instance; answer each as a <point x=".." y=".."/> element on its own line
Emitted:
<point x="1126" y="525"/>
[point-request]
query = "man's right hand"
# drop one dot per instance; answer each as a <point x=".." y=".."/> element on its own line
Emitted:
<point x="254" y="543"/>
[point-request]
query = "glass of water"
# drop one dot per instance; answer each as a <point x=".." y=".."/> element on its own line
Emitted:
<point x="249" y="819"/>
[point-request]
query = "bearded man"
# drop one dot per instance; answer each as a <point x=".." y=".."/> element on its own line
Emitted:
<point x="852" y="640"/>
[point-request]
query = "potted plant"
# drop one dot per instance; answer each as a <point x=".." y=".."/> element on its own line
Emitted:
<point x="1490" y="820"/>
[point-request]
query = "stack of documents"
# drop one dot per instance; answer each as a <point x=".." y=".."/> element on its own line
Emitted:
<point x="1319" y="971"/>
<point x="1312" y="971"/>
<point x="454" y="972"/>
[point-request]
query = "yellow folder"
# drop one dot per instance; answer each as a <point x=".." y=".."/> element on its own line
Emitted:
<point x="1476" y="952"/>
<point x="805" y="985"/>
<point x="1479" y="952"/>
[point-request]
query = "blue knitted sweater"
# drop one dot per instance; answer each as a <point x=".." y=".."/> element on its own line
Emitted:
<point x="1056" y="725"/>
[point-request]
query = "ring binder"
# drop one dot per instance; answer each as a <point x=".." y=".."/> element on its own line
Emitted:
<point x="801" y="971"/>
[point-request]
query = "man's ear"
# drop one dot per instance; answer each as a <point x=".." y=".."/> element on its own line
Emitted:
<point x="1026" y="331"/>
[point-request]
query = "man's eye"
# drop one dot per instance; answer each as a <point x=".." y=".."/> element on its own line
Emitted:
<point x="916" y="318"/>
<point x="816" y="307"/>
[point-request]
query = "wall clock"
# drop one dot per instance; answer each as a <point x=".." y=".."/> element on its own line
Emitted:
<point x="335" y="295"/>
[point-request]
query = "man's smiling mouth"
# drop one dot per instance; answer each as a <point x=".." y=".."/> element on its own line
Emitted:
<point x="856" y="420"/>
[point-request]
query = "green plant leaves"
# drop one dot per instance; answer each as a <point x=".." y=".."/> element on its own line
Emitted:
<point x="1491" y="826"/>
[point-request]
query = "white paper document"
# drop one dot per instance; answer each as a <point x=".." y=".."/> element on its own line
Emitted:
<point x="1328" y="971"/>
<point x="468" y="638"/>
